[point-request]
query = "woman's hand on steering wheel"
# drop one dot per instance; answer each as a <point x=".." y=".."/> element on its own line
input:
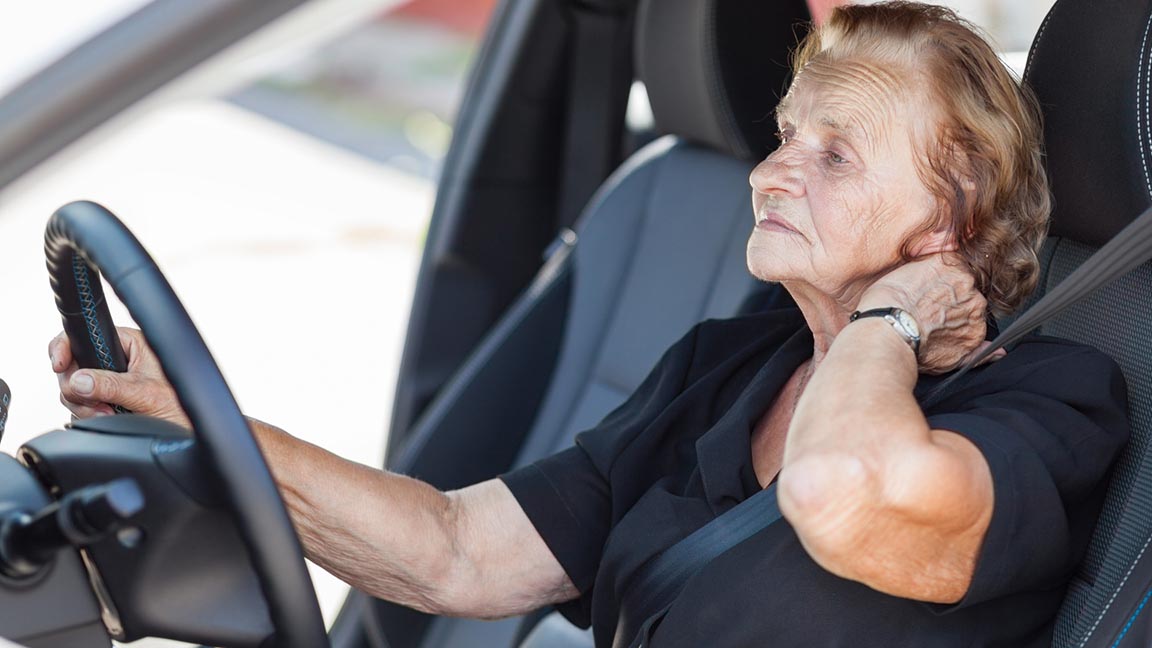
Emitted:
<point x="143" y="389"/>
<point x="940" y="293"/>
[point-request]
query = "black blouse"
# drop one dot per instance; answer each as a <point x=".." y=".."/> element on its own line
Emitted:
<point x="1049" y="418"/>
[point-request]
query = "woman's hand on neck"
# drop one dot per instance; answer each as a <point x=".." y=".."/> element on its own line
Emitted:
<point x="938" y="291"/>
<point x="874" y="493"/>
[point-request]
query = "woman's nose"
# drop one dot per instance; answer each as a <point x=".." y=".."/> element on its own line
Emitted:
<point x="779" y="174"/>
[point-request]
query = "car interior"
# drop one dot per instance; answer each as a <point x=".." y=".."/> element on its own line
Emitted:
<point x="652" y="253"/>
<point x="565" y="254"/>
<point x="612" y="286"/>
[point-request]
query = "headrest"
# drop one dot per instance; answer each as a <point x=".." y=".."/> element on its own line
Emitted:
<point x="715" y="69"/>
<point x="1090" y="66"/>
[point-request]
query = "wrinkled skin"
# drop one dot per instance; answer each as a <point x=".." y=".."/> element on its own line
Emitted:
<point x="836" y="200"/>
<point x="833" y="206"/>
<point x="143" y="388"/>
<point x="873" y="492"/>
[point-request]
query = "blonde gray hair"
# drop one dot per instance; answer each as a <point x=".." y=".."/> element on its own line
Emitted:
<point x="986" y="163"/>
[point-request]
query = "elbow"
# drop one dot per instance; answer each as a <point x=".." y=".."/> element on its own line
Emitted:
<point x="461" y="581"/>
<point x="450" y="575"/>
<point x="828" y="499"/>
<point x="431" y="574"/>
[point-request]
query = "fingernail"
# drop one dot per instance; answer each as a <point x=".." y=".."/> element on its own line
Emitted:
<point x="82" y="384"/>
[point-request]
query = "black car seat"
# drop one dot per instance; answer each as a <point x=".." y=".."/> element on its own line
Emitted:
<point x="1090" y="67"/>
<point x="660" y="246"/>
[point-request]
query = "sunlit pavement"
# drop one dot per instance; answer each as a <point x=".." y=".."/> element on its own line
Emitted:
<point x="297" y="261"/>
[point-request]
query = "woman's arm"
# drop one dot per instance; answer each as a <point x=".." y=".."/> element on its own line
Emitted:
<point x="874" y="494"/>
<point x="471" y="552"/>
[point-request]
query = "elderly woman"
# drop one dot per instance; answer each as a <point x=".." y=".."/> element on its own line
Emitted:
<point x="906" y="200"/>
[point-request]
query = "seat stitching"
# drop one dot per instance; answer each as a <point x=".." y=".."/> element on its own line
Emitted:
<point x="1039" y="37"/>
<point x="1142" y="121"/>
<point x="1128" y="626"/>
<point x="1115" y="593"/>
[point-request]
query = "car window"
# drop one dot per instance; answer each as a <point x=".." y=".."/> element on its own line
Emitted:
<point x="285" y="197"/>
<point x="34" y="34"/>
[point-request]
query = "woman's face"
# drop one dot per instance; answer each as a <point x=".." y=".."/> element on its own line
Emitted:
<point x="835" y="202"/>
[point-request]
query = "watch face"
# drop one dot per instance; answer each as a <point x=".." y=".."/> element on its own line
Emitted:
<point x="908" y="323"/>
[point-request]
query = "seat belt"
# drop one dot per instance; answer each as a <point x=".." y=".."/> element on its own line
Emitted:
<point x="1129" y="248"/>
<point x="660" y="580"/>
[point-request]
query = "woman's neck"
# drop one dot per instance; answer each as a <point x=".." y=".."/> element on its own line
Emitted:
<point x="826" y="315"/>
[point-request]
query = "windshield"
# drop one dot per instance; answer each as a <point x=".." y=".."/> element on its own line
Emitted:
<point x="33" y="34"/>
<point x="284" y="177"/>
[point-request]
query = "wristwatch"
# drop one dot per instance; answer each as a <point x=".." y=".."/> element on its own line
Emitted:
<point x="900" y="320"/>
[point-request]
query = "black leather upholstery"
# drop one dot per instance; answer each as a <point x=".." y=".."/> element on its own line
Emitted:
<point x="1091" y="68"/>
<point x="713" y="90"/>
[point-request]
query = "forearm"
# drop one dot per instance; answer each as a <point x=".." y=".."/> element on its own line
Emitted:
<point x="471" y="552"/>
<point x="873" y="492"/>
<point x="859" y="402"/>
<point x="386" y="534"/>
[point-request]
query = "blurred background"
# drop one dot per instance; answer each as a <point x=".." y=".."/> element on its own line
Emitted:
<point x="285" y="190"/>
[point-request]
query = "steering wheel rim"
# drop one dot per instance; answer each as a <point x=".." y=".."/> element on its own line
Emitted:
<point x="83" y="238"/>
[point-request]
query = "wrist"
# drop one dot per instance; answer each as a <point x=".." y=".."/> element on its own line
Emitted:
<point x="268" y="437"/>
<point x="877" y="355"/>
<point x="899" y="321"/>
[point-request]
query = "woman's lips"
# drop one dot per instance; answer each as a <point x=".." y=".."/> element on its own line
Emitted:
<point x="772" y="222"/>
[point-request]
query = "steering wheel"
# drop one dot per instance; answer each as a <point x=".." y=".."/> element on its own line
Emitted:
<point x="83" y="239"/>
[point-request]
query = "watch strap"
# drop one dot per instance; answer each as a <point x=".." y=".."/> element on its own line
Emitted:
<point x="891" y="315"/>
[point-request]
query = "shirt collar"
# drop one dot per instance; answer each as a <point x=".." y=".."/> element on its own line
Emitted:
<point x="724" y="452"/>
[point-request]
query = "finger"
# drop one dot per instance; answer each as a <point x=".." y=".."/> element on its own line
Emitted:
<point x="939" y="366"/>
<point x="138" y="392"/>
<point x="995" y="356"/>
<point x="76" y="388"/>
<point x="92" y="387"/>
<point x="80" y="411"/>
<point x="941" y="258"/>
<point x="992" y="357"/>
<point x="60" y="352"/>
<point x="136" y="349"/>
<point x="64" y="382"/>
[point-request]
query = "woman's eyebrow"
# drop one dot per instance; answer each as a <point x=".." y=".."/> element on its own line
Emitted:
<point x="839" y="124"/>
<point x="842" y="125"/>
<point x="847" y="128"/>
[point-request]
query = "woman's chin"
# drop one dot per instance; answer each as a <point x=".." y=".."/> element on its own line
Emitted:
<point x="768" y="268"/>
<point x="770" y="261"/>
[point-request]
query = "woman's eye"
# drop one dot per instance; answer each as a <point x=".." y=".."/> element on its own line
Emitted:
<point x="835" y="158"/>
